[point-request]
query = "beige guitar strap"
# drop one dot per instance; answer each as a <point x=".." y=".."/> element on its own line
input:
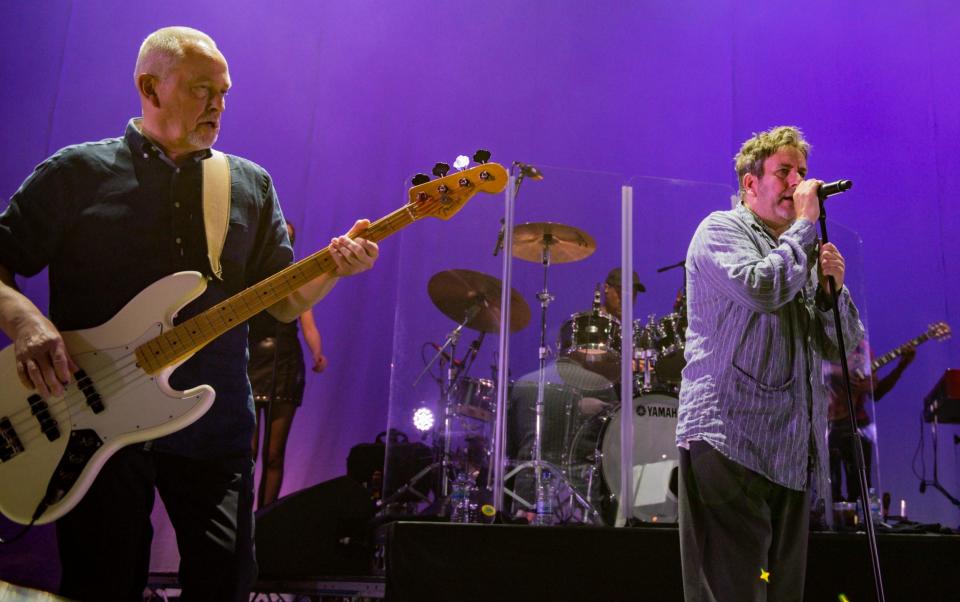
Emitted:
<point x="216" y="207"/>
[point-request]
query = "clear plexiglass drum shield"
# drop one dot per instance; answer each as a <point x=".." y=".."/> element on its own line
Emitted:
<point x="518" y="332"/>
<point x="442" y="405"/>
<point x="563" y="369"/>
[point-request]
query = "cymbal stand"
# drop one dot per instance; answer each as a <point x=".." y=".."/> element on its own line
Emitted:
<point x="452" y="375"/>
<point x="648" y="354"/>
<point x="545" y="299"/>
<point x="537" y="463"/>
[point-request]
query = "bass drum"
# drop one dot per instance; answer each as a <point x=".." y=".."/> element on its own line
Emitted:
<point x="655" y="459"/>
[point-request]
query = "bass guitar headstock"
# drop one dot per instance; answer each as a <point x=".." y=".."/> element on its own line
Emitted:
<point x="939" y="331"/>
<point x="446" y="195"/>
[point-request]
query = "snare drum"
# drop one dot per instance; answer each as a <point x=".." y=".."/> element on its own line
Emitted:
<point x="655" y="457"/>
<point x="592" y="339"/>
<point x="672" y="330"/>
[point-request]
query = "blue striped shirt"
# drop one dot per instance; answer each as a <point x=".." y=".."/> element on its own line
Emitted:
<point x="753" y="386"/>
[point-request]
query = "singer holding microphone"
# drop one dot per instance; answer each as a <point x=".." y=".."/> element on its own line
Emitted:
<point x="753" y="407"/>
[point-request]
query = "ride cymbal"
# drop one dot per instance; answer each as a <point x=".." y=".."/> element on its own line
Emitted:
<point x="566" y="243"/>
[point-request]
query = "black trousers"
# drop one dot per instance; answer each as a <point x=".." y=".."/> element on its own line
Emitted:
<point x="105" y="541"/>
<point x="742" y="537"/>
<point x="843" y="463"/>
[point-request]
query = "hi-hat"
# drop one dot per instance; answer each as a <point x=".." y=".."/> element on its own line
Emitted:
<point x="566" y="243"/>
<point x="463" y="294"/>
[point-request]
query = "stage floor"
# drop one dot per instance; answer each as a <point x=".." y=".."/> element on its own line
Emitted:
<point x="464" y="562"/>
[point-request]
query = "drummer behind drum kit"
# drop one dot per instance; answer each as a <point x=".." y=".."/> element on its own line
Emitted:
<point x="566" y="436"/>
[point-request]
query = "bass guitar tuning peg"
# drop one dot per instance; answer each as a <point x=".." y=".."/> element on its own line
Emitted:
<point x="440" y="169"/>
<point x="481" y="156"/>
<point x="420" y="178"/>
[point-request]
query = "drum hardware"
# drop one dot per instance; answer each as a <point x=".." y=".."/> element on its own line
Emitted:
<point x="546" y="243"/>
<point x="451" y="341"/>
<point x="474" y="296"/>
<point x="575" y="502"/>
<point x="463" y="296"/>
<point x="591" y="464"/>
<point x="563" y="414"/>
<point x="646" y="339"/>
<point x="452" y="376"/>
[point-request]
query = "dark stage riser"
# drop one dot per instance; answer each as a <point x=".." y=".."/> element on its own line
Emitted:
<point x="463" y="562"/>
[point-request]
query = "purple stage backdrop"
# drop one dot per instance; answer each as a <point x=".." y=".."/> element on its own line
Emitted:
<point x="343" y="101"/>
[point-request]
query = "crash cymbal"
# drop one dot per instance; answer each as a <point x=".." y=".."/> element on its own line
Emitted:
<point x="566" y="242"/>
<point x="461" y="294"/>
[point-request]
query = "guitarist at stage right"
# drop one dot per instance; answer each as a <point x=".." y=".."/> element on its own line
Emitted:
<point x="842" y="461"/>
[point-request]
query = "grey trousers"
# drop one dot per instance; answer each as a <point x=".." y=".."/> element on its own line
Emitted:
<point x="742" y="537"/>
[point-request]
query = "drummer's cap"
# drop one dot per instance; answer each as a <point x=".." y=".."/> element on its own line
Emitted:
<point x="614" y="280"/>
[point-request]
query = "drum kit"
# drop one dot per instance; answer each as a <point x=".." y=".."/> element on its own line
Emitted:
<point x="563" y="438"/>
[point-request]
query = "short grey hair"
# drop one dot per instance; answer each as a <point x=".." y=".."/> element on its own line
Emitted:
<point x="164" y="48"/>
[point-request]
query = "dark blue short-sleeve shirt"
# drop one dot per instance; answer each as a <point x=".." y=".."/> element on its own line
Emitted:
<point x="109" y="218"/>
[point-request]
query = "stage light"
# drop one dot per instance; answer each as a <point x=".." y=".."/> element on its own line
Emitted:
<point x="423" y="419"/>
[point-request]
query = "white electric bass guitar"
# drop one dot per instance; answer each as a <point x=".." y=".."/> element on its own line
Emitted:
<point x="52" y="449"/>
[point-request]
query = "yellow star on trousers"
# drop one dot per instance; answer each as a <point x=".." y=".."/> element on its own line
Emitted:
<point x="764" y="576"/>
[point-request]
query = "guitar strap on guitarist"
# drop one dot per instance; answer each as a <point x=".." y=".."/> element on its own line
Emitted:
<point x="216" y="207"/>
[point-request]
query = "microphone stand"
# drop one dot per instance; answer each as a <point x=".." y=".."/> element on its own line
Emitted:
<point x="852" y="417"/>
<point x="679" y="264"/>
<point x="451" y="341"/>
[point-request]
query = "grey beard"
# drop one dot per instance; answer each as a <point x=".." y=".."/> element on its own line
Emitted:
<point x="201" y="140"/>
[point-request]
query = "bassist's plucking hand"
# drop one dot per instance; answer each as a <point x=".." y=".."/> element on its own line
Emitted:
<point x="43" y="363"/>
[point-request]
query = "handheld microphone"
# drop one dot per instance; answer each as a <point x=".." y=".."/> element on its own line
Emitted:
<point x="833" y="188"/>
